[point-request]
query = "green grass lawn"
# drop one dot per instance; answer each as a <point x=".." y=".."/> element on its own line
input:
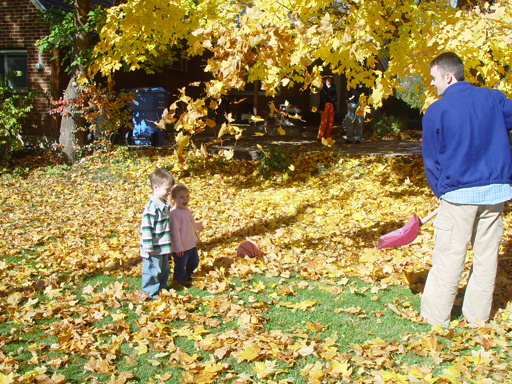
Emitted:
<point x="321" y="306"/>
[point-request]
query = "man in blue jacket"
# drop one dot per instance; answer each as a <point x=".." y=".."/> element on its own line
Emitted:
<point x="468" y="164"/>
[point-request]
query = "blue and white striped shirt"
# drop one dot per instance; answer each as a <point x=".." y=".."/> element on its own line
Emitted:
<point x="155" y="233"/>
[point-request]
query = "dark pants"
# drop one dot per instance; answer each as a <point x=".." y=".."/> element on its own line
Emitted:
<point x="185" y="265"/>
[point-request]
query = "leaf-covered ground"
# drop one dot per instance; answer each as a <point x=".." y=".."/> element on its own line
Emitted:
<point x="70" y="268"/>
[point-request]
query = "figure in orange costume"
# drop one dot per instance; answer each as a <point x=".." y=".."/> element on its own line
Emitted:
<point x="328" y="98"/>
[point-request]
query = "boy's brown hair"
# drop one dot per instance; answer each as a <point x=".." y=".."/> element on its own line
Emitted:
<point x="177" y="189"/>
<point x="159" y="177"/>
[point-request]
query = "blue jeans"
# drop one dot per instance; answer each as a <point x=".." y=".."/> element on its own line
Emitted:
<point x="185" y="265"/>
<point x="353" y="123"/>
<point x="155" y="273"/>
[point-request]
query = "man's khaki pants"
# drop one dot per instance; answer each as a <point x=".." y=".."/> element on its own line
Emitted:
<point x="455" y="227"/>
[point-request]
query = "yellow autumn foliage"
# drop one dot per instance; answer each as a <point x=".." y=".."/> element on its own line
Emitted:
<point x="288" y="43"/>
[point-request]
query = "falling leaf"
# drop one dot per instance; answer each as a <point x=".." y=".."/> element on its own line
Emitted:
<point x="329" y="141"/>
<point x="228" y="154"/>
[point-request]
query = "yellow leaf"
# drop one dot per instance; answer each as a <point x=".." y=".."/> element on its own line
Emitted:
<point x="314" y="327"/>
<point x="258" y="287"/>
<point x="142" y="349"/>
<point x="272" y="107"/>
<point x="223" y="130"/>
<point x="249" y="353"/>
<point x="306" y="304"/>
<point x="281" y="131"/>
<point x="9" y="379"/>
<point x="118" y="316"/>
<point x="353" y="311"/>
<point x="257" y="119"/>
<point x="265" y="369"/>
<point x="58" y="379"/>
<point x="285" y="290"/>
<point x="228" y="154"/>
<point x="182" y="140"/>
<point x="338" y="368"/>
<point x="395" y="378"/>
<point x="131" y="361"/>
<point x="329" y="142"/>
<point x="357" y="216"/>
<point x="211" y="123"/>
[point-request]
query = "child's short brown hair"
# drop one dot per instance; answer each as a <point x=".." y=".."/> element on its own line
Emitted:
<point x="177" y="189"/>
<point x="159" y="177"/>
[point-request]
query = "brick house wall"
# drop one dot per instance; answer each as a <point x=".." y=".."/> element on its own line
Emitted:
<point x="19" y="30"/>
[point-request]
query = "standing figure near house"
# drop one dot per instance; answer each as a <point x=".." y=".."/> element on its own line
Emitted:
<point x="327" y="106"/>
<point x="468" y="164"/>
<point x="155" y="238"/>
<point x="353" y="121"/>
<point x="184" y="236"/>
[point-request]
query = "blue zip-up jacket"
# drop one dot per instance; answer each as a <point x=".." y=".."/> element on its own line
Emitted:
<point x="465" y="139"/>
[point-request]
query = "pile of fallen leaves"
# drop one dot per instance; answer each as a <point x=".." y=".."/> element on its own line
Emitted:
<point x="321" y="222"/>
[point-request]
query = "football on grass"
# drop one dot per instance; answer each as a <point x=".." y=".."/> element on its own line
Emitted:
<point x="248" y="248"/>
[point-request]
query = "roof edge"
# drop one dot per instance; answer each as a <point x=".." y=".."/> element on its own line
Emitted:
<point x="38" y="5"/>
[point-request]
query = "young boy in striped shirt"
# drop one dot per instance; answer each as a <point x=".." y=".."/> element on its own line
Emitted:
<point x="155" y="237"/>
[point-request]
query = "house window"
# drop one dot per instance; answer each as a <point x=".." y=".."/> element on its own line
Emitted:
<point x="14" y="61"/>
<point x="180" y="64"/>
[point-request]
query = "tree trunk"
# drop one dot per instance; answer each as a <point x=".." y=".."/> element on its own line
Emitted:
<point x="71" y="138"/>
